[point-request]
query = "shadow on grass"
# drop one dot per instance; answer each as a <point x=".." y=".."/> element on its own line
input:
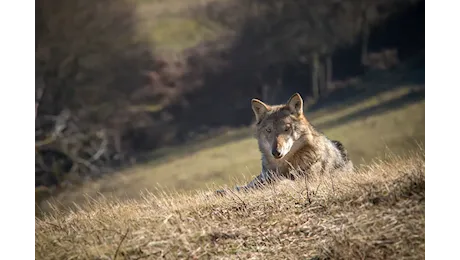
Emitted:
<point x="167" y="154"/>
<point x="372" y="84"/>
<point x="412" y="97"/>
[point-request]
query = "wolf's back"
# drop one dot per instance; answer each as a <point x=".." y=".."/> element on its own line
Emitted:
<point x="343" y="151"/>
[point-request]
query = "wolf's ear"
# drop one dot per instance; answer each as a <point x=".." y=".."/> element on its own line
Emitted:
<point x="295" y="104"/>
<point x="259" y="108"/>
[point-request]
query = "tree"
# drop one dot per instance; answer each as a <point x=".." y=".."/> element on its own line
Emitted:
<point x="89" y="58"/>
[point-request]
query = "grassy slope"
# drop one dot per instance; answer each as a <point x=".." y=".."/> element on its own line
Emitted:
<point x="375" y="213"/>
<point x="226" y="158"/>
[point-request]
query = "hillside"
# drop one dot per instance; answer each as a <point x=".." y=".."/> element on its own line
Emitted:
<point x="375" y="213"/>
<point x="392" y="121"/>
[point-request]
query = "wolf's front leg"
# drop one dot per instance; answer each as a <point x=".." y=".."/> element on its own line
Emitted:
<point x="261" y="180"/>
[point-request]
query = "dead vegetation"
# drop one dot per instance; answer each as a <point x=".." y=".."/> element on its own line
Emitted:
<point x="374" y="213"/>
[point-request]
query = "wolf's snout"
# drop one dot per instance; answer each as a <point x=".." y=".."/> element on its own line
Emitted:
<point x="276" y="153"/>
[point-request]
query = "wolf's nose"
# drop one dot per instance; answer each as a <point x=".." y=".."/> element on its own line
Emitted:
<point x="276" y="154"/>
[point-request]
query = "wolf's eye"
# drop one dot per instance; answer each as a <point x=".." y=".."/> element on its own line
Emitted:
<point x="269" y="130"/>
<point x="287" y="127"/>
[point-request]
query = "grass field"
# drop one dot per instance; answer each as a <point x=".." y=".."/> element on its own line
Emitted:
<point x="163" y="208"/>
<point x="375" y="213"/>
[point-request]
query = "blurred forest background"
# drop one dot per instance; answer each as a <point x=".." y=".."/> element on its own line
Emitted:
<point x="119" y="80"/>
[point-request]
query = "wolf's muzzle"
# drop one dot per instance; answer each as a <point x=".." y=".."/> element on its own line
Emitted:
<point x="276" y="153"/>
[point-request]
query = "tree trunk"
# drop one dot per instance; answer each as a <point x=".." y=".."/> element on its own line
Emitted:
<point x="278" y="84"/>
<point x="265" y="90"/>
<point x="315" y="75"/>
<point x="272" y="84"/>
<point x="365" y="37"/>
<point x="329" y="72"/>
<point x="322" y="77"/>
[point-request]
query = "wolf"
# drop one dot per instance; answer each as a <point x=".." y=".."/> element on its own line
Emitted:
<point x="291" y="146"/>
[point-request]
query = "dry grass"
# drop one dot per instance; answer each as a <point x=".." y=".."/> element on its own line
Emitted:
<point x="374" y="213"/>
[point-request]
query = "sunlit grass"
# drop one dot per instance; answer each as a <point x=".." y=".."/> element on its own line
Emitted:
<point x="373" y="213"/>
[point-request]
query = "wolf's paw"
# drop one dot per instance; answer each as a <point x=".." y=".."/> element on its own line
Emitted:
<point x="220" y="192"/>
<point x="241" y="188"/>
<point x="235" y="189"/>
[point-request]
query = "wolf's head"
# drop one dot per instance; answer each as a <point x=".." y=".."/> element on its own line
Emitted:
<point x="281" y="129"/>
